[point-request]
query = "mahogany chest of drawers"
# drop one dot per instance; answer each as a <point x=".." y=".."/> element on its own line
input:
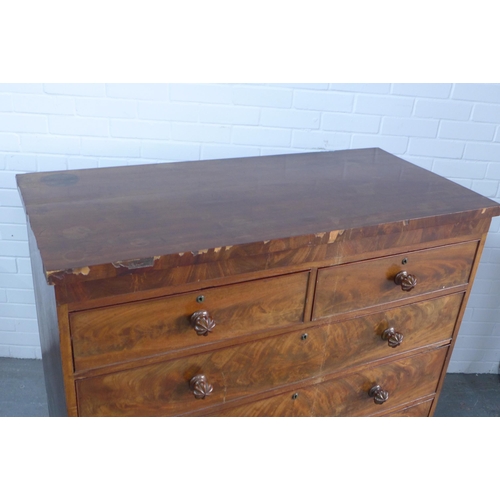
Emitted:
<point x="314" y="284"/>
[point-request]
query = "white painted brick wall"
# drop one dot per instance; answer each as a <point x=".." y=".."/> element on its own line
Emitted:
<point x="453" y="130"/>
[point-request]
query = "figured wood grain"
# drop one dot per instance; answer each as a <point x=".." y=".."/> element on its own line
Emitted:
<point x="405" y="380"/>
<point x="186" y="272"/>
<point x="192" y="207"/>
<point x="139" y="329"/>
<point x="359" y="341"/>
<point x="126" y="247"/>
<point x="262" y="365"/>
<point x="418" y="410"/>
<point x="360" y="285"/>
<point x="371" y="347"/>
<point x="163" y="389"/>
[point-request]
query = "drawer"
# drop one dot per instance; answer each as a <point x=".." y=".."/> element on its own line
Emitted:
<point x="383" y="334"/>
<point x="164" y="388"/>
<point x="369" y="283"/>
<point x="129" y="331"/>
<point x="418" y="410"/>
<point x="404" y="380"/>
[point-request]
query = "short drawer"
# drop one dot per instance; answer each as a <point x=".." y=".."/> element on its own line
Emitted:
<point x="130" y="331"/>
<point x="359" y="285"/>
<point x="404" y="381"/>
<point x="169" y="388"/>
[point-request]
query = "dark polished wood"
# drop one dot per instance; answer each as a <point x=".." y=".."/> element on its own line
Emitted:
<point x="359" y="341"/>
<point x="109" y="335"/>
<point x="349" y="395"/>
<point x="197" y="207"/>
<point x="360" y="285"/>
<point x="267" y="364"/>
<point x="182" y="274"/>
<point x="283" y="285"/>
<point x="234" y="372"/>
<point x="417" y="410"/>
<point x="49" y="336"/>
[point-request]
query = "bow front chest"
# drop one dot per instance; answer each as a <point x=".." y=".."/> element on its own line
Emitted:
<point x="312" y="284"/>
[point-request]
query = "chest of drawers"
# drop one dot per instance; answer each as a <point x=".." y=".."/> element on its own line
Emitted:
<point x="314" y="284"/>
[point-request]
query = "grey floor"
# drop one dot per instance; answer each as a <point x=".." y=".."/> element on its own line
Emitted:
<point x="22" y="392"/>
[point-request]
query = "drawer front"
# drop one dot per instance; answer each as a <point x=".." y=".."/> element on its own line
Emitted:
<point x="164" y="388"/>
<point x="360" y="285"/>
<point x="390" y="332"/>
<point x="405" y="380"/>
<point x="418" y="410"/>
<point x="130" y="331"/>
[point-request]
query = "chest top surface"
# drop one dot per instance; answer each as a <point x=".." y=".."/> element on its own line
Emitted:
<point x="101" y="216"/>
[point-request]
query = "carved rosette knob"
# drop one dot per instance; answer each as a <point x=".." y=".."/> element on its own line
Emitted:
<point x="393" y="337"/>
<point x="405" y="280"/>
<point x="202" y="323"/>
<point x="200" y="387"/>
<point x="379" y="396"/>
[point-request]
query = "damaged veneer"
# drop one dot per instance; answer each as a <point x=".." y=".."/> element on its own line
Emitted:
<point x="268" y="287"/>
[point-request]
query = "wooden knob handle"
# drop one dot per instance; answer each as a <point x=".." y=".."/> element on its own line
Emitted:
<point x="202" y="323"/>
<point x="406" y="280"/>
<point x="393" y="337"/>
<point x="379" y="396"/>
<point x="200" y="387"/>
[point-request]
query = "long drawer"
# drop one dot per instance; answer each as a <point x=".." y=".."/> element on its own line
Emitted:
<point x="130" y="331"/>
<point x="360" y="285"/>
<point x="404" y="380"/>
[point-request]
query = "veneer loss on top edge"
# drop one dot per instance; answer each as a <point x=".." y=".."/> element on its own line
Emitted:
<point x="333" y="283"/>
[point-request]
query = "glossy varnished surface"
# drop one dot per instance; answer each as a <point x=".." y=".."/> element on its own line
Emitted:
<point x="175" y="275"/>
<point x="418" y="410"/>
<point x="364" y="284"/>
<point x="102" y="216"/>
<point x="163" y="389"/>
<point x="359" y="341"/>
<point x="131" y="331"/>
<point x="406" y="379"/>
<point x="296" y="257"/>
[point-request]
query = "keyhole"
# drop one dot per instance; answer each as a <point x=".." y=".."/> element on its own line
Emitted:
<point x="200" y="299"/>
<point x="295" y="396"/>
<point x="303" y="336"/>
<point x="404" y="261"/>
